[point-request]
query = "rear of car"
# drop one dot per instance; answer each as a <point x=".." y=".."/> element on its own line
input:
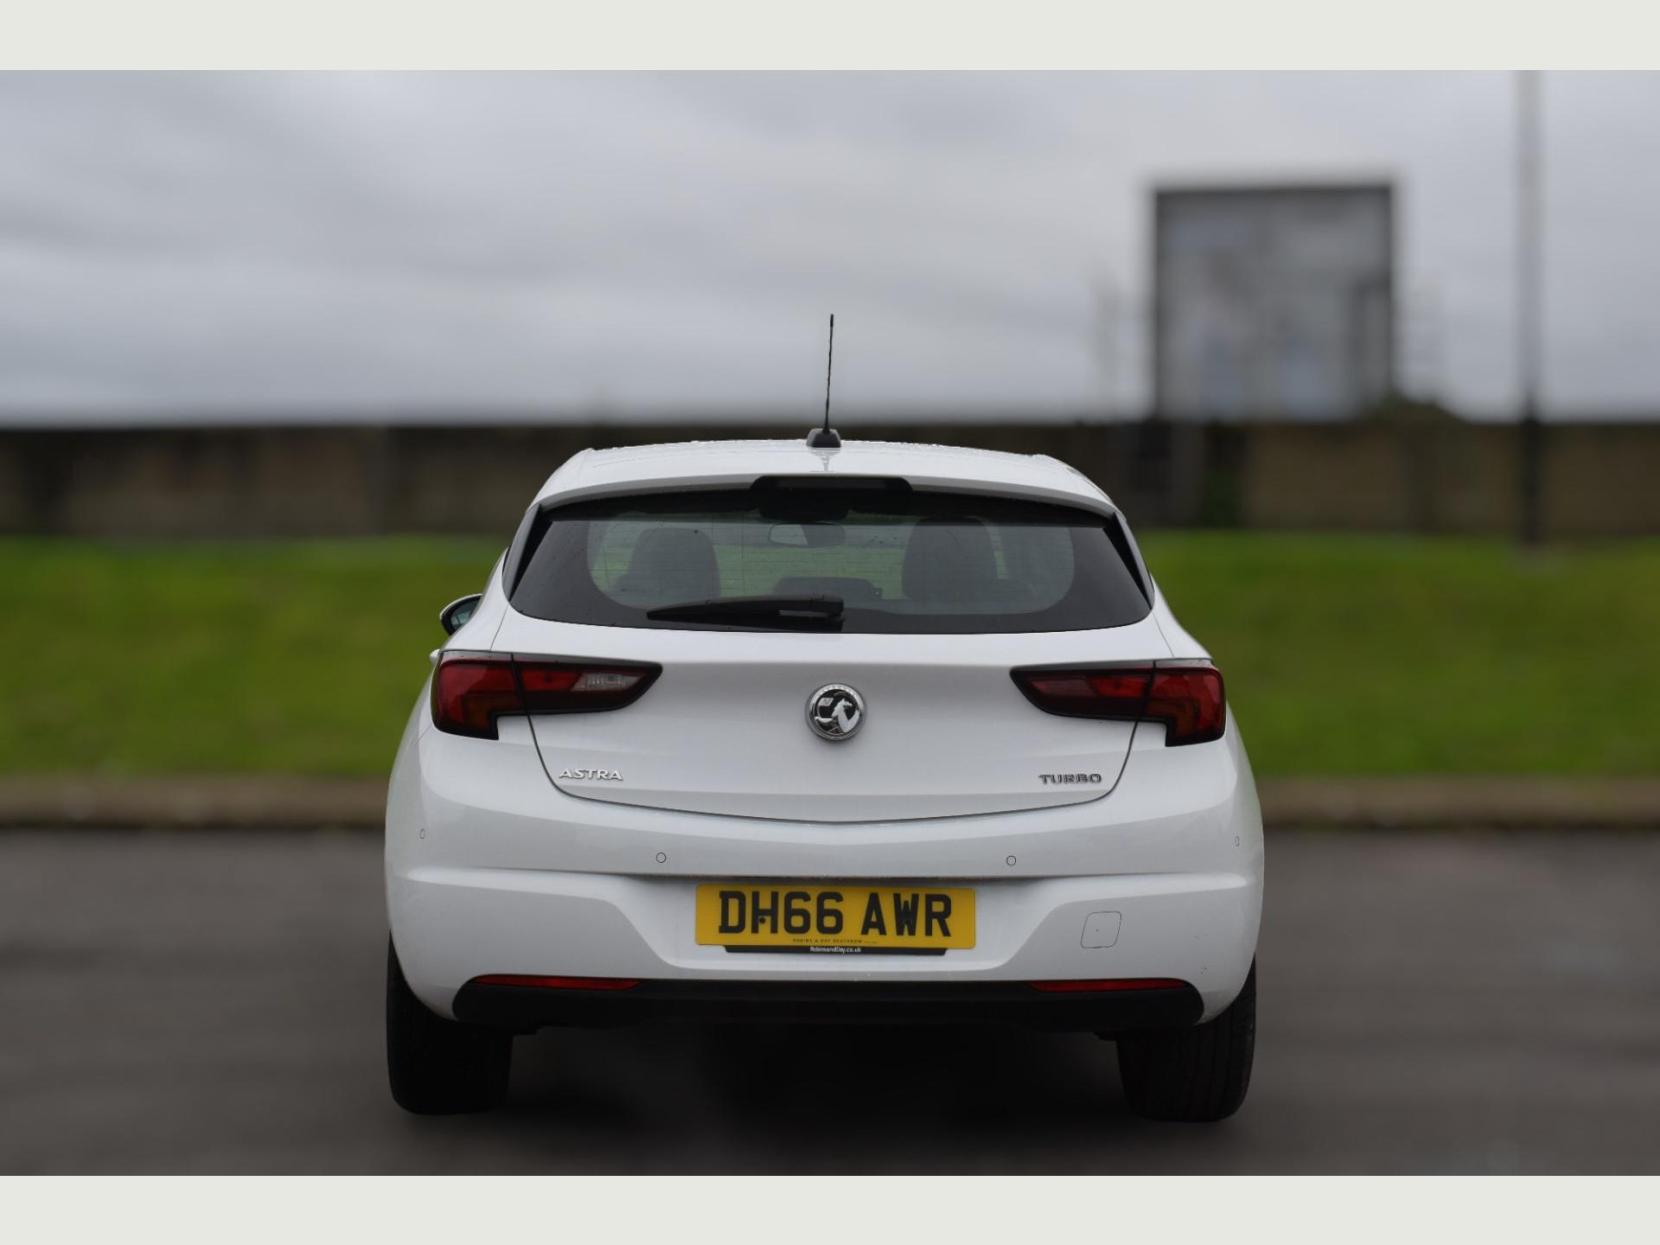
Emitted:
<point x="883" y="732"/>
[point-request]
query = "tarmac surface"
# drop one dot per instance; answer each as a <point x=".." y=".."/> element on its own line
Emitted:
<point x="211" y="1002"/>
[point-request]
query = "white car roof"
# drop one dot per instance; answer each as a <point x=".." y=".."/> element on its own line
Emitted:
<point x="713" y="464"/>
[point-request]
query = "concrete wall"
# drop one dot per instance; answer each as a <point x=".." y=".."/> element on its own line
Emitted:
<point x="1600" y="479"/>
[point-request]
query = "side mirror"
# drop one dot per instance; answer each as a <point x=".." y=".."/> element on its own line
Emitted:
<point x="454" y="616"/>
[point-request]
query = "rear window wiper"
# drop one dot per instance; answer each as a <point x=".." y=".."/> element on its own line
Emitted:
<point x="755" y="611"/>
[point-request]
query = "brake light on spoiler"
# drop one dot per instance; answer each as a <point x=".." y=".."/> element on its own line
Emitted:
<point x="1187" y="697"/>
<point x="471" y="690"/>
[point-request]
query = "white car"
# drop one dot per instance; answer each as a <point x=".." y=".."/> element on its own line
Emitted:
<point x="876" y="732"/>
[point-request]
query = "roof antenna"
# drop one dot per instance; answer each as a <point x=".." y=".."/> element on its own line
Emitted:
<point x="826" y="438"/>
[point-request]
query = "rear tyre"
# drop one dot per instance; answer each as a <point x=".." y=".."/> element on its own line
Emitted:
<point x="1198" y="1074"/>
<point x="438" y="1066"/>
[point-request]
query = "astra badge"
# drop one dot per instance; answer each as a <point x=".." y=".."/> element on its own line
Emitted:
<point x="610" y="775"/>
<point x="835" y="712"/>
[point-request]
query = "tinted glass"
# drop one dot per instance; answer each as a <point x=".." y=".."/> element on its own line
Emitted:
<point x="899" y="562"/>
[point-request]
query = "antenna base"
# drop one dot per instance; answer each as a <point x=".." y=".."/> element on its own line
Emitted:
<point x="825" y="438"/>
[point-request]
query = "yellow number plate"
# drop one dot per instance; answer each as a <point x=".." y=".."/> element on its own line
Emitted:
<point x="910" y="918"/>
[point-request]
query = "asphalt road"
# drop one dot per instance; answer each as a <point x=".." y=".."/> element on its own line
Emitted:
<point x="211" y="1002"/>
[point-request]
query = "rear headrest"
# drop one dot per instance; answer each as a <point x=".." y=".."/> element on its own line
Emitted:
<point x="672" y="564"/>
<point x="949" y="559"/>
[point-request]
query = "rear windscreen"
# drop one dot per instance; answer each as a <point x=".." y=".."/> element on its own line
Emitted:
<point x="894" y="561"/>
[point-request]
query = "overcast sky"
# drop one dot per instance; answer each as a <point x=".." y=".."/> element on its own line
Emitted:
<point x="612" y="243"/>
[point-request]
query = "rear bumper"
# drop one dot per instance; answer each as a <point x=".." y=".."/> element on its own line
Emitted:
<point x="453" y="925"/>
<point x="524" y="1009"/>
<point x="490" y="869"/>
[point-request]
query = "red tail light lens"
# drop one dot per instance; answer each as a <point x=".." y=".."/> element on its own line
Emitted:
<point x="1111" y="693"/>
<point x="1188" y="699"/>
<point x="471" y="690"/>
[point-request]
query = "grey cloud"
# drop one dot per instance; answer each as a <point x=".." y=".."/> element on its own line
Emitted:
<point x="272" y="242"/>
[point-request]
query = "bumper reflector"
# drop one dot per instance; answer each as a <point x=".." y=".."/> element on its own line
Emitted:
<point x="1097" y="985"/>
<point x="555" y="983"/>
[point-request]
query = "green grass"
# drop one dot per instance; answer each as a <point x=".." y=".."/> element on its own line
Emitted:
<point x="208" y="658"/>
<point x="1344" y="655"/>
<point x="1378" y="655"/>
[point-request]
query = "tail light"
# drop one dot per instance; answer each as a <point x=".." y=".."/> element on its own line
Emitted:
<point x="1186" y="697"/>
<point x="471" y="690"/>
